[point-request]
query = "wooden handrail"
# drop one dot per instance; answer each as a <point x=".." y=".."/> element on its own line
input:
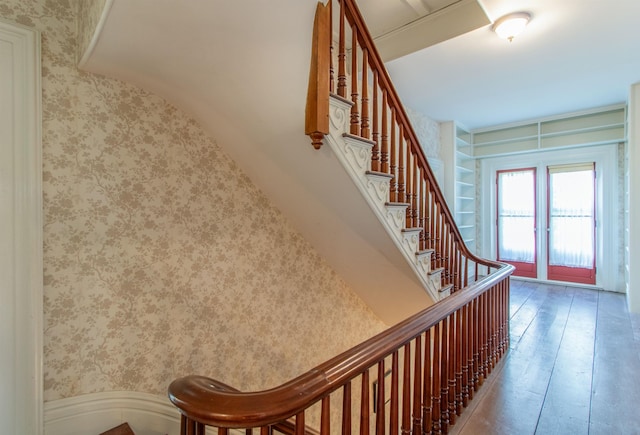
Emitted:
<point x="210" y="402"/>
<point x="385" y="83"/>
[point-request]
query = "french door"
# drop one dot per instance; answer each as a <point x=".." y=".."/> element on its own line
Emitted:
<point x="571" y="223"/>
<point x="568" y="218"/>
<point x="516" y="220"/>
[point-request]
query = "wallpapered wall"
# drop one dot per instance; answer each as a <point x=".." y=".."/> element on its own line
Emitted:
<point x="161" y="258"/>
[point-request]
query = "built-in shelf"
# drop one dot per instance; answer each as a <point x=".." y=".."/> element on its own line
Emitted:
<point x="596" y="127"/>
<point x="460" y="181"/>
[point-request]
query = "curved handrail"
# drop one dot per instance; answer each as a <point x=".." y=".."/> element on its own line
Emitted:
<point x="213" y="403"/>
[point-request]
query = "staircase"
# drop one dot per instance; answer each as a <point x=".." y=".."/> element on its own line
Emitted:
<point x="365" y="198"/>
<point x="355" y="154"/>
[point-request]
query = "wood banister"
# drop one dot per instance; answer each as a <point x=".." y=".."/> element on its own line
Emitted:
<point x="213" y="403"/>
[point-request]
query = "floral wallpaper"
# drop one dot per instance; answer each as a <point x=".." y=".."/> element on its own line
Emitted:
<point x="428" y="132"/>
<point x="161" y="258"/>
<point x="88" y="16"/>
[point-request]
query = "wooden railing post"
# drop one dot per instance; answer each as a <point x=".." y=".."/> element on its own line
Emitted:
<point x="318" y="91"/>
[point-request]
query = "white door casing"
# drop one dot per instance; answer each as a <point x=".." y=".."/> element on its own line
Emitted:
<point x="20" y="231"/>
<point x="607" y="231"/>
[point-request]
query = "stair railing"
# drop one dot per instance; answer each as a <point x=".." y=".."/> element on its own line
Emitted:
<point x="430" y="365"/>
<point x="378" y="115"/>
<point x="417" y="376"/>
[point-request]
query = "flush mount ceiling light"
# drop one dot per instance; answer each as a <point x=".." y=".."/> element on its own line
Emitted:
<point x="511" y="25"/>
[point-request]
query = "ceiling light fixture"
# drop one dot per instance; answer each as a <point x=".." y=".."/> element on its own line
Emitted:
<point x="511" y="25"/>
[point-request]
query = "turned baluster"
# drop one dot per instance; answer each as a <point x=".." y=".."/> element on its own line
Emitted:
<point x="439" y="241"/>
<point x="435" y="393"/>
<point x="380" y="417"/>
<point x="355" y="115"/>
<point x="445" y="251"/>
<point x="466" y="271"/>
<point x="465" y="355"/>
<point x="457" y="256"/>
<point x="427" y="408"/>
<point x="364" y="128"/>
<point x="364" y="404"/>
<point x="393" y="185"/>
<point x="325" y="419"/>
<point x="375" y="151"/>
<point x="458" y="365"/>
<point x="401" y="168"/>
<point x="414" y="194"/>
<point x="408" y="192"/>
<point x="422" y="205"/>
<point x="300" y="422"/>
<point x="476" y="330"/>
<point x="435" y="237"/>
<point x="406" y="391"/>
<point x="486" y="325"/>
<point x="384" y="149"/>
<point x="342" y="57"/>
<point x="331" y="72"/>
<point x="444" y="376"/>
<point x="346" y="409"/>
<point x="493" y="348"/>
<point x="417" y="387"/>
<point x="394" y="421"/>
<point x="483" y="338"/>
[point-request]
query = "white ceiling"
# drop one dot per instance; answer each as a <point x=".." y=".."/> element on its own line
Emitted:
<point x="574" y="55"/>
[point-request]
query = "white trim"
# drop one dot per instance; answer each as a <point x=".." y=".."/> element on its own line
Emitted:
<point x="96" y="34"/>
<point x="607" y="240"/>
<point x="591" y="111"/>
<point x="633" y="218"/>
<point x="94" y="413"/>
<point x="24" y="197"/>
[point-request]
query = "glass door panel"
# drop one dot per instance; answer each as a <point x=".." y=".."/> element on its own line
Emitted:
<point x="516" y="220"/>
<point x="571" y="223"/>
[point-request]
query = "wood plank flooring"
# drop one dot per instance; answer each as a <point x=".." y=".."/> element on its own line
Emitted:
<point x="573" y="367"/>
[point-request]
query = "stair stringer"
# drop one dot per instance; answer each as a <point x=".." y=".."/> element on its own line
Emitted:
<point x="354" y="153"/>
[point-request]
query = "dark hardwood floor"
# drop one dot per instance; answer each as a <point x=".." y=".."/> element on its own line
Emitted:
<point x="573" y="367"/>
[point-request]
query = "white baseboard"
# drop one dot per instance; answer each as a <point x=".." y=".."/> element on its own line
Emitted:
<point x="92" y="414"/>
<point x="95" y="413"/>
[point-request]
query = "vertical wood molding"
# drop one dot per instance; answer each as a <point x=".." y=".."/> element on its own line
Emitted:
<point x="633" y="286"/>
<point x="21" y="223"/>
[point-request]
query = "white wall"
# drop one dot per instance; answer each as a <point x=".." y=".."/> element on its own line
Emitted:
<point x="633" y="285"/>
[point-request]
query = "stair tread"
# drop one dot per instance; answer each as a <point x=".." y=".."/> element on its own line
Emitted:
<point x="411" y="230"/>
<point x="425" y="252"/>
<point x="446" y="288"/>
<point x="397" y="204"/>
<point x="343" y="99"/>
<point x="436" y="270"/>
<point x="379" y="174"/>
<point x="358" y="138"/>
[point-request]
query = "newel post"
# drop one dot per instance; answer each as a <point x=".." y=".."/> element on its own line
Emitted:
<point x="317" y="111"/>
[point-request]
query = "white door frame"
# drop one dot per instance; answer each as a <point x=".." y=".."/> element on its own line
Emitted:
<point x="607" y="204"/>
<point x="21" y="229"/>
